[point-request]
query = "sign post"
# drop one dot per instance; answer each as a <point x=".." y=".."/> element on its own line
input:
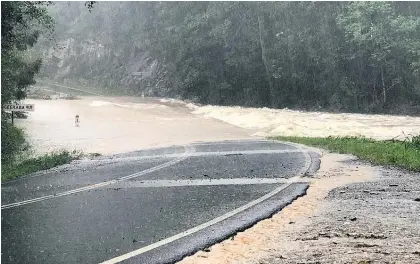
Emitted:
<point x="19" y="108"/>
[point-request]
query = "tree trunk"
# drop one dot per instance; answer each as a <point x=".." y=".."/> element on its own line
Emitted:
<point x="265" y="61"/>
<point x="374" y="99"/>
<point x="383" y="86"/>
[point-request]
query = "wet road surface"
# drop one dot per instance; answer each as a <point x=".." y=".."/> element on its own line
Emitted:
<point x="151" y="206"/>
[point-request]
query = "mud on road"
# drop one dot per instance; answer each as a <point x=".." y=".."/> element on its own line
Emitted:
<point x="352" y="213"/>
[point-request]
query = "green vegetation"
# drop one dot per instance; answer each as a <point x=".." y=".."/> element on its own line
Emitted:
<point x="403" y="154"/>
<point x="337" y="56"/>
<point x="22" y="23"/>
<point x="12" y="142"/>
<point x="12" y="170"/>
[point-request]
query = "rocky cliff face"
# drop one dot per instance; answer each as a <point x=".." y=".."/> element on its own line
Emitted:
<point x="86" y="62"/>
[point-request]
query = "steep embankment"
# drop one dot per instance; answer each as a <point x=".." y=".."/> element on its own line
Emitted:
<point x="90" y="63"/>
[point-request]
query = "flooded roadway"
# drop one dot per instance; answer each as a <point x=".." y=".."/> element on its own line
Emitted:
<point x="110" y="125"/>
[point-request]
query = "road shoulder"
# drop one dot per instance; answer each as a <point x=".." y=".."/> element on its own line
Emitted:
<point x="353" y="212"/>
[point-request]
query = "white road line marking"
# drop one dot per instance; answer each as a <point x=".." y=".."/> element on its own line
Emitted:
<point x="48" y="90"/>
<point x="198" y="154"/>
<point x="233" y="142"/>
<point x="198" y="182"/>
<point x="102" y="184"/>
<point x="67" y="87"/>
<point x="135" y="158"/>
<point x="217" y="219"/>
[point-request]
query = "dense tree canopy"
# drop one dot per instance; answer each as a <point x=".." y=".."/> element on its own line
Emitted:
<point x="21" y="25"/>
<point x="343" y="56"/>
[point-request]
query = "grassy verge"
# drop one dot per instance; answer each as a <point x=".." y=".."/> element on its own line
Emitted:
<point x="11" y="171"/>
<point x="403" y="154"/>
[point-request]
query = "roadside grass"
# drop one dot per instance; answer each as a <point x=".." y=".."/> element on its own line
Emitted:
<point x="402" y="154"/>
<point x="11" y="171"/>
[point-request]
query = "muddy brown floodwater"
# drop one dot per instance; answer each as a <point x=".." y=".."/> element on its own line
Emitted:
<point x="352" y="213"/>
<point x="120" y="124"/>
<point x="274" y="122"/>
<point x="111" y="125"/>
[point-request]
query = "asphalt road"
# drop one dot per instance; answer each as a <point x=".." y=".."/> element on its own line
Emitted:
<point x="152" y="206"/>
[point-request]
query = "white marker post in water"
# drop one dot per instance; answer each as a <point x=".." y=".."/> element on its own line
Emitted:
<point x="77" y="121"/>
